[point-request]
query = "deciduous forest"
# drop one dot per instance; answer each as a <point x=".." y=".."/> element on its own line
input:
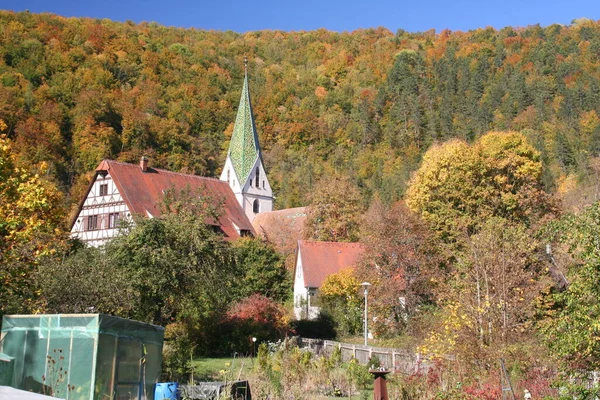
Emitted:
<point x="467" y="163"/>
<point x="365" y="104"/>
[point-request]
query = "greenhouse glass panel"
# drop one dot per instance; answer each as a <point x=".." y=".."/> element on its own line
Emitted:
<point x="89" y="356"/>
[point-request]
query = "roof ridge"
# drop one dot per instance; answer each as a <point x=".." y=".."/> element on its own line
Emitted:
<point x="326" y="243"/>
<point x="283" y="210"/>
<point x="165" y="171"/>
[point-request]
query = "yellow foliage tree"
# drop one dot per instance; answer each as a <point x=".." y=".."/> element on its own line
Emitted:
<point x="30" y="222"/>
<point x="460" y="185"/>
<point x="340" y="299"/>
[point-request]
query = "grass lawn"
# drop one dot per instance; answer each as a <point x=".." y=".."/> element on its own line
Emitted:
<point x="221" y="369"/>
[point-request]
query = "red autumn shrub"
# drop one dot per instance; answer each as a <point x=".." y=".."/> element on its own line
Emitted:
<point x="254" y="316"/>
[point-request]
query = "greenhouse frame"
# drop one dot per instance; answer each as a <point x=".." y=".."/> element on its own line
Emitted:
<point x="82" y="356"/>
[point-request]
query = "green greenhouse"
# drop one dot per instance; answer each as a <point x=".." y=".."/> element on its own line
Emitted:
<point x="81" y="356"/>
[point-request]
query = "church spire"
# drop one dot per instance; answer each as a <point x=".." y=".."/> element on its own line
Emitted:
<point x="244" y="148"/>
<point x="244" y="170"/>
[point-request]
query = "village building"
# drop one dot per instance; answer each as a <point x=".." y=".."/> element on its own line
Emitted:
<point x="119" y="191"/>
<point x="315" y="261"/>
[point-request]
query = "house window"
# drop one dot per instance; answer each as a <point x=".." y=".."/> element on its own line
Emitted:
<point x="92" y="222"/>
<point x="256" y="206"/>
<point x="257" y="182"/>
<point x="104" y="189"/>
<point x="113" y="220"/>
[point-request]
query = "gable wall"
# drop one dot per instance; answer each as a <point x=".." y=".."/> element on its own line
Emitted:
<point x="101" y="206"/>
<point x="302" y="298"/>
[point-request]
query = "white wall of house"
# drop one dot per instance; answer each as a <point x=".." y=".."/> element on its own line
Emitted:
<point x="302" y="295"/>
<point x="103" y="209"/>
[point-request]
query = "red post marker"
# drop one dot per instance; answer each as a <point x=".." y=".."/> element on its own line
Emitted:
<point x="380" y="384"/>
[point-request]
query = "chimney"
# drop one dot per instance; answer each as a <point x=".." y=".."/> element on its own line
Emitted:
<point x="144" y="164"/>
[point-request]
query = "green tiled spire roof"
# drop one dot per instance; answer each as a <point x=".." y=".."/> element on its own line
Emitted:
<point x="244" y="148"/>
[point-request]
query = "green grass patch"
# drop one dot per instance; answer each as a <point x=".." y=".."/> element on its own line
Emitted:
<point x="222" y="369"/>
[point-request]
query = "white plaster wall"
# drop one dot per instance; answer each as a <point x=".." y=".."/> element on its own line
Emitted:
<point x="95" y="204"/>
<point x="301" y="295"/>
<point x="250" y="187"/>
<point x="234" y="183"/>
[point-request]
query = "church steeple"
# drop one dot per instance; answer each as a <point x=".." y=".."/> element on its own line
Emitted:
<point x="244" y="148"/>
<point x="244" y="169"/>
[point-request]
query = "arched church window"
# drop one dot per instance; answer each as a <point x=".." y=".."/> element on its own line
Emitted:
<point x="256" y="206"/>
<point x="228" y="176"/>
<point x="256" y="182"/>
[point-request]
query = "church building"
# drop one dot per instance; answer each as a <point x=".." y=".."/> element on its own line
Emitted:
<point x="119" y="190"/>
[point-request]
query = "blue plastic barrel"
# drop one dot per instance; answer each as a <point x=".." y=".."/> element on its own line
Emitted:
<point x="166" y="390"/>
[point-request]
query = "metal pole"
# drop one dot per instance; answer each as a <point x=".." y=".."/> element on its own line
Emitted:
<point x="366" y="285"/>
<point x="366" y="329"/>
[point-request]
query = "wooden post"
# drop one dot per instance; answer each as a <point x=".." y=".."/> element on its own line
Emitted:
<point x="380" y="384"/>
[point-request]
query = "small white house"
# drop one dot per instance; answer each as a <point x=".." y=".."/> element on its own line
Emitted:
<point x="315" y="261"/>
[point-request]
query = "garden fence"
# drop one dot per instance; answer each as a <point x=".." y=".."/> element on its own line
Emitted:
<point x="399" y="360"/>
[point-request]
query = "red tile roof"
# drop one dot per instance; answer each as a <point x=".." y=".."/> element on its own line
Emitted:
<point x="143" y="193"/>
<point x="321" y="259"/>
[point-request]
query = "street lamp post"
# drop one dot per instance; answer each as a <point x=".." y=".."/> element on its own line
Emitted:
<point x="365" y="286"/>
<point x="253" y="344"/>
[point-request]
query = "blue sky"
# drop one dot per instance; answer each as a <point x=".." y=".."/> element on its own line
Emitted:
<point x="337" y="15"/>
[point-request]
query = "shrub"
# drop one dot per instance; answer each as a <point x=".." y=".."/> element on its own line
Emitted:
<point x="255" y="316"/>
<point x="320" y="328"/>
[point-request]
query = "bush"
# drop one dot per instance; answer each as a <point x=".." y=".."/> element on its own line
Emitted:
<point x="255" y="316"/>
<point x="177" y="353"/>
<point x="320" y="328"/>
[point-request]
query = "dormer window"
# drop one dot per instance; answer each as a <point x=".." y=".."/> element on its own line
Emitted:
<point x="257" y="178"/>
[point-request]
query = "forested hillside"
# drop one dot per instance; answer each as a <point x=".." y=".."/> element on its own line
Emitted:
<point x="365" y="104"/>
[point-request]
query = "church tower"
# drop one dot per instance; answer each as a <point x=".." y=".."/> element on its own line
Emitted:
<point x="244" y="170"/>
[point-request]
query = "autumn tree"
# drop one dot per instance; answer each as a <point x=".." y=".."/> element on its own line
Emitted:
<point x="459" y="185"/>
<point x="488" y="297"/>
<point x="31" y="218"/>
<point x="335" y="210"/>
<point x="340" y="300"/>
<point x="570" y="324"/>
<point x="398" y="260"/>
